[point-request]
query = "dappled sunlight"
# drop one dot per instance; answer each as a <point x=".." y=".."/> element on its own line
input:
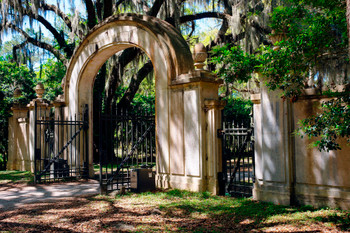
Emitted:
<point x="175" y="210"/>
<point x="273" y="164"/>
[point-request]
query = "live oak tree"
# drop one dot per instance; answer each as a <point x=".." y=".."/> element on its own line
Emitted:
<point x="27" y="18"/>
<point x="70" y="28"/>
<point x="310" y="51"/>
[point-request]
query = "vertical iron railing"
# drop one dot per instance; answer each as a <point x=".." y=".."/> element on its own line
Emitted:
<point x="60" y="146"/>
<point x="238" y="156"/>
<point x="127" y="141"/>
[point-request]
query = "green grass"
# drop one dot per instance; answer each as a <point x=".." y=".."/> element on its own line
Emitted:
<point x="16" y="177"/>
<point x="228" y="210"/>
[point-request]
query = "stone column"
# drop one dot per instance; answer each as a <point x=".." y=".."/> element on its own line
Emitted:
<point x="18" y="134"/>
<point x="59" y="132"/>
<point x="273" y="148"/>
<point x="192" y="143"/>
<point x="42" y="107"/>
<point x="213" y="109"/>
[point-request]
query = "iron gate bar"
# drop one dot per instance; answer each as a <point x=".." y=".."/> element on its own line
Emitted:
<point x="51" y="165"/>
<point x="238" y="156"/>
<point x="52" y="160"/>
<point x="240" y="153"/>
<point x="119" y="134"/>
<point x="140" y="140"/>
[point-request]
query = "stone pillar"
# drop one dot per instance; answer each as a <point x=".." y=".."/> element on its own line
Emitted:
<point x="18" y="134"/>
<point x="193" y="149"/>
<point x="42" y="107"/>
<point x="273" y="148"/>
<point x="214" y="162"/>
<point x="59" y="132"/>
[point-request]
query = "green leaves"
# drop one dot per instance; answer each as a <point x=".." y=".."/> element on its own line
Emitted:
<point x="312" y="32"/>
<point x="234" y="63"/>
<point x="309" y="35"/>
<point x="12" y="77"/>
<point x="330" y="124"/>
<point x="52" y="74"/>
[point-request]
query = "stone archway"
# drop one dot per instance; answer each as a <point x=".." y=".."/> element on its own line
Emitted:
<point x="181" y="91"/>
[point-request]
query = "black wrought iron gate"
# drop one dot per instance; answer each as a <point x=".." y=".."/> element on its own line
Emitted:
<point x="127" y="142"/>
<point x="60" y="146"/>
<point x="238" y="156"/>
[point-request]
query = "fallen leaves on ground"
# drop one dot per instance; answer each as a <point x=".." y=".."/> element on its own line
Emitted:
<point x="148" y="213"/>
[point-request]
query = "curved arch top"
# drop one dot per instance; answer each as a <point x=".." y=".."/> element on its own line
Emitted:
<point x="157" y="38"/>
<point x="181" y="124"/>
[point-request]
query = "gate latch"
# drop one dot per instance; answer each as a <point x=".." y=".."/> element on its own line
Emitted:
<point x="220" y="133"/>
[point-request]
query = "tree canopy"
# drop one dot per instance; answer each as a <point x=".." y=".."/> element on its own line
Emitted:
<point x="295" y="43"/>
<point x="308" y="49"/>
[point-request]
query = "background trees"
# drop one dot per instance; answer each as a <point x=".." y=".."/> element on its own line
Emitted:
<point x="311" y="38"/>
<point x="310" y="51"/>
<point x="12" y="76"/>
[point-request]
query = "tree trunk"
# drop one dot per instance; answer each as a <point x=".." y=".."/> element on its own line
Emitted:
<point x="348" y="20"/>
<point x="134" y="85"/>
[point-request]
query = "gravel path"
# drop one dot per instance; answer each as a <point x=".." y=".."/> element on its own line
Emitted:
<point x="13" y="196"/>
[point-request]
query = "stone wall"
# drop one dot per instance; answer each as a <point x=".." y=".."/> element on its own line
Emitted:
<point x="18" y="147"/>
<point x="288" y="170"/>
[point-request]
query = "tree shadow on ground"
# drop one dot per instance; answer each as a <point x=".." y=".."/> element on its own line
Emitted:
<point x="251" y="214"/>
<point x="173" y="211"/>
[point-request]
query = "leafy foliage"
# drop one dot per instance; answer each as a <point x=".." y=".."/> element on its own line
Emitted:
<point x="235" y="64"/>
<point x="333" y="122"/>
<point x="51" y="75"/>
<point x="308" y="35"/>
<point x="238" y="109"/>
<point x="144" y="102"/>
<point x="12" y="77"/>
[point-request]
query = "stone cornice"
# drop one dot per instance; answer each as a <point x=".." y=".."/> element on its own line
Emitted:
<point x="256" y="98"/>
<point x="40" y="102"/>
<point x="197" y="76"/>
<point x="214" y="104"/>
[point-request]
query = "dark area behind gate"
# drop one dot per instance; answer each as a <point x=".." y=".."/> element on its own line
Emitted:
<point x="127" y="142"/>
<point x="61" y="145"/>
<point x="238" y="155"/>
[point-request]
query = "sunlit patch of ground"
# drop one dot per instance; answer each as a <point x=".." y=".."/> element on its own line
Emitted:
<point x="172" y="211"/>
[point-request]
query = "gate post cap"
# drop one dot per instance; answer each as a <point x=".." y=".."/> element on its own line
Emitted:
<point x="39" y="90"/>
<point x="199" y="56"/>
<point x="17" y="93"/>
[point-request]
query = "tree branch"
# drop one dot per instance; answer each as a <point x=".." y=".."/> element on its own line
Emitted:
<point x="125" y="58"/>
<point x="15" y="48"/>
<point x="187" y="18"/>
<point x="134" y="85"/>
<point x="61" y="14"/>
<point x="155" y="8"/>
<point x="107" y="8"/>
<point x="37" y="43"/>
<point x="59" y="38"/>
<point x="91" y="14"/>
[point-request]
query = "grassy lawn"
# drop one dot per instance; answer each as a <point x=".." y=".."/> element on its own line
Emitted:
<point x="171" y="211"/>
<point x="167" y="211"/>
<point x="16" y="177"/>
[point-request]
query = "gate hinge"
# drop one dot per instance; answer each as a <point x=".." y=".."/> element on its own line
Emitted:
<point x="220" y="133"/>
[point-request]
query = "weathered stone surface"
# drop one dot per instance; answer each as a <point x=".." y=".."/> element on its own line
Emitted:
<point x="180" y="93"/>
<point x="287" y="169"/>
<point x="187" y="105"/>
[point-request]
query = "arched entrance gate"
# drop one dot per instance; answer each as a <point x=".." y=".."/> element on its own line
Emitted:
<point x="187" y="105"/>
